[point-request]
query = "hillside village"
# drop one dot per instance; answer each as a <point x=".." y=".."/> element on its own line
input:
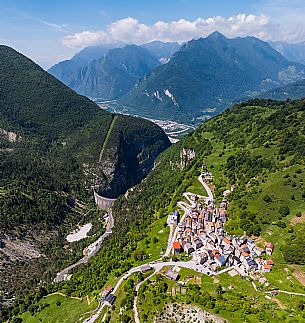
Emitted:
<point x="201" y="233"/>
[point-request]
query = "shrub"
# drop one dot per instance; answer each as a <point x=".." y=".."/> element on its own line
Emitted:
<point x="281" y="224"/>
<point x="300" y="305"/>
<point x="267" y="198"/>
<point x="284" y="210"/>
<point x="16" y="320"/>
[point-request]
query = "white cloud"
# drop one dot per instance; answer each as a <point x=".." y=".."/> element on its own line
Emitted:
<point x="85" y="38"/>
<point x="61" y="28"/>
<point x="289" y="15"/>
<point x="130" y="30"/>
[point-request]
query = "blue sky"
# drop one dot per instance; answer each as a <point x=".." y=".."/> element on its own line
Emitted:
<point x="51" y="30"/>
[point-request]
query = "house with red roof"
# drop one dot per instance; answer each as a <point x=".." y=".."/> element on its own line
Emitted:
<point x="177" y="248"/>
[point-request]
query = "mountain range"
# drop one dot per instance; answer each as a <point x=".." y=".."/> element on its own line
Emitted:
<point x="207" y="75"/>
<point x="112" y="70"/>
<point x="115" y="74"/>
<point x="187" y="83"/>
<point x="294" y="52"/>
<point x="66" y="71"/>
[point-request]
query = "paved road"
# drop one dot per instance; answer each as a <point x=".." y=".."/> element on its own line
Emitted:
<point x="170" y="237"/>
<point x="158" y="265"/>
<point x="289" y="293"/>
<point x="186" y="209"/>
<point x="135" y="302"/>
<point x="93" y="250"/>
<point x="205" y="185"/>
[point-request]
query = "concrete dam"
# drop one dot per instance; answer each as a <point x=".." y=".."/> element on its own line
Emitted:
<point x="103" y="203"/>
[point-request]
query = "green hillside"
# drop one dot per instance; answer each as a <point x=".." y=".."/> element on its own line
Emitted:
<point x="52" y="123"/>
<point x="258" y="146"/>
<point x="50" y="144"/>
<point x="32" y="100"/>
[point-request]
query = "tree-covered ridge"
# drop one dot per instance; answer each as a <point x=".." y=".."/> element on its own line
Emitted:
<point x="50" y="144"/>
<point x="34" y="102"/>
<point x="292" y="91"/>
<point x="59" y="139"/>
<point x="262" y="125"/>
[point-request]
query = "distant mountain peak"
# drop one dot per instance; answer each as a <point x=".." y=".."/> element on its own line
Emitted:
<point x="294" y="52"/>
<point x="209" y="74"/>
<point x="109" y="71"/>
<point x="216" y="35"/>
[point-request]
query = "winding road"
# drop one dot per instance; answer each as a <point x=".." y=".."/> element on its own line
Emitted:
<point x="159" y="264"/>
<point x="93" y="250"/>
<point x="191" y="264"/>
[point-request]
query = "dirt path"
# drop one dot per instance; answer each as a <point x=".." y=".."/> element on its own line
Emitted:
<point x="296" y="220"/>
<point x="95" y="247"/>
<point x="61" y="294"/>
<point x="88" y="299"/>
<point x="277" y="301"/>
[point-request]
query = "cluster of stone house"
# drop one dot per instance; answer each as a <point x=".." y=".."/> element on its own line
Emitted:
<point x="201" y="233"/>
<point x="107" y="296"/>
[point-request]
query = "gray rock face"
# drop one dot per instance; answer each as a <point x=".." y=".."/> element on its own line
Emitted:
<point x="109" y="76"/>
<point x="128" y="158"/>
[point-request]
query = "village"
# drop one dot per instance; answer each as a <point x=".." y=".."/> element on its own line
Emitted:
<point x="201" y="234"/>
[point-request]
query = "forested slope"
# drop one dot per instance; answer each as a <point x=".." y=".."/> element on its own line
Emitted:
<point x="50" y="144"/>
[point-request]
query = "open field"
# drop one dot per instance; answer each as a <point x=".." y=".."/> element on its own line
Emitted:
<point x="59" y="309"/>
